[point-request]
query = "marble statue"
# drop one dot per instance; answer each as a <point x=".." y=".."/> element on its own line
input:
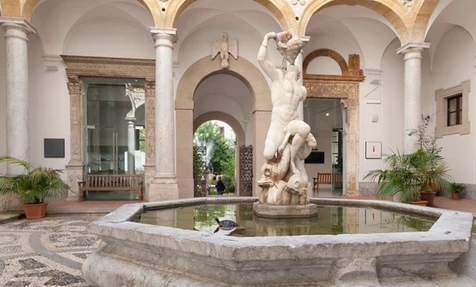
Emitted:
<point x="224" y="49"/>
<point x="289" y="140"/>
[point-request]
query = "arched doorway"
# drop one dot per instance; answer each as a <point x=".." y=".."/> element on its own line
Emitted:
<point x="239" y="143"/>
<point x="255" y="127"/>
<point x="343" y="87"/>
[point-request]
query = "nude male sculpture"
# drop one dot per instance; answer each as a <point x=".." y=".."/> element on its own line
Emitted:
<point x="286" y="94"/>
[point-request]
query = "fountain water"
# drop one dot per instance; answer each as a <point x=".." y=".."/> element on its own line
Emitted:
<point x="134" y="254"/>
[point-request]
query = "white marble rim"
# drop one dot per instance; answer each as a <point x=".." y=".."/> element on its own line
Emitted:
<point x="452" y="230"/>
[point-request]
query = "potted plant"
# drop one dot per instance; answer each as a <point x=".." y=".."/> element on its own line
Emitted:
<point x="32" y="186"/>
<point x="400" y="180"/>
<point x="429" y="164"/>
<point x="456" y="189"/>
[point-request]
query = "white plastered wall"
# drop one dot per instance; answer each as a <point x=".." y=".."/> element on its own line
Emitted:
<point x="3" y="100"/>
<point x="453" y="63"/>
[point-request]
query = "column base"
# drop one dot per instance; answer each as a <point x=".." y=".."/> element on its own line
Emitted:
<point x="352" y="193"/>
<point x="74" y="174"/>
<point x="163" y="189"/>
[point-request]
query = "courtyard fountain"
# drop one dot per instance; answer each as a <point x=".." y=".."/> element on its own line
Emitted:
<point x="141" y="254"/>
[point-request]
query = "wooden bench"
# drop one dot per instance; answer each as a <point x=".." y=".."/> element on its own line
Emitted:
<point x="327" y="178"/>
<point x="111" y="182"/>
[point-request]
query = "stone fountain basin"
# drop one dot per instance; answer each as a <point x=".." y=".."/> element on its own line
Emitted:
<point x="136" y="254"/>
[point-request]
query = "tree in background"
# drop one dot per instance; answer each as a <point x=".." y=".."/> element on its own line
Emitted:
<point x="221" y="152"/>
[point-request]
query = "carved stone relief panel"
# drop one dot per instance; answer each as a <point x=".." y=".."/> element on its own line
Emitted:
<point x="330" y="89"/>
<point x="76" y="111"/>
<point x="246" y="170"/>
<point x="150" y="122"/>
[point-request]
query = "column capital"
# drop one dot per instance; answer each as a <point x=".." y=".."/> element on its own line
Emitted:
<point x="413" y="48"/>
<point x="17" y="24"/>
<point x="163" y="35"/>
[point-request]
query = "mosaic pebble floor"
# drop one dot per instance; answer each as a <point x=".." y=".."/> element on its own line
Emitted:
<point x="45" y="252"/>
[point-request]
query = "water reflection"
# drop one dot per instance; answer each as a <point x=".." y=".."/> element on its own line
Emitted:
<point x="330" y="220"/>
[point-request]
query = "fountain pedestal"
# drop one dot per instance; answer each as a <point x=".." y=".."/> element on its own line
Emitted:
<point x="285" y="211"/>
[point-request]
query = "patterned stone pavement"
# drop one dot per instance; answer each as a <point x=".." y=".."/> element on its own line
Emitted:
<point x="45" y="252"/>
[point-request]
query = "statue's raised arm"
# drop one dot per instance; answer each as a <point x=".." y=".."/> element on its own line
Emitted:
<point x="266" y="64"/>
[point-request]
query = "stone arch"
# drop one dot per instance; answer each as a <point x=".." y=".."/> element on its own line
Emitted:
<point x="281" y="9"/>
<point x="344" y="87"/>
<point x="423" y="11"/>
<point x="151" y="5"/>
<point x="237" y="129"/>
<point x="394" y="13"/>
<point x="326" y="53"/>
<point x="241" y="68"/>
<point x="184" y="105"/>
<point x="224" y="117"/>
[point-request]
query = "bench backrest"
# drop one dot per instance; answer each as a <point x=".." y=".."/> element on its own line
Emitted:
<point x="328" y="178"/>
<point x="113" y="180"/>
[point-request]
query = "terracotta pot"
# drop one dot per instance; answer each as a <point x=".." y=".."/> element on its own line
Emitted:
<point x="420" y="203"/>
<point x="35" y="211"/>
<point x="455" y="195"/>
<point x="428" y="196"/>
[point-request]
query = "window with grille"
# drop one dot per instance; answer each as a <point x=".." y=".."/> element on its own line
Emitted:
<point x="455" y="110"/>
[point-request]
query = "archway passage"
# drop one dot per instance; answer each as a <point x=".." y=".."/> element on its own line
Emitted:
<point x="345" y="88"/>
<point x="215" y="158"/>
<point x="198" y="101"/>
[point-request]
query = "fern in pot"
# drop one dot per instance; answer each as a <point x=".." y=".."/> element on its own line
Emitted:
<point x="32" y="186"/>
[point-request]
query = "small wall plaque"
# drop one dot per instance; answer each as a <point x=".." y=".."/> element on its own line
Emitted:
<point x="373" y="150"/>
<point x="54" y="148"/>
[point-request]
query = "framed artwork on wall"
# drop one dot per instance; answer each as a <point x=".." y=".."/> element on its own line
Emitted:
<point x="373" y="150"/>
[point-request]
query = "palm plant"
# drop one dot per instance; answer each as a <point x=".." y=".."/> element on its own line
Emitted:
<point x="401" y="178"/>
<point x="34" y="185"/>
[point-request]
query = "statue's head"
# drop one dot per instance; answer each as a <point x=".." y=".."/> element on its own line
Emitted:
<point x="289" y="45"/>
<point x="225" y="36"/>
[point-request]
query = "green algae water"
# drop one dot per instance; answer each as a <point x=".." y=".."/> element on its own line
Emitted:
<point x="331" y="220"/>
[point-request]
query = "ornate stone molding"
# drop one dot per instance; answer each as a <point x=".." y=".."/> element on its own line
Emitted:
<point x="322" y="88"/>
<point x="346" y="88"/>
<point x="350" y="71"/>
<point x="78" y="67"/>
<point x="408" y="4"/>
<point x="302" y="2"/>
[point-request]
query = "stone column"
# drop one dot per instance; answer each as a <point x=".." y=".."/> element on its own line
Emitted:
<point x="131" y="145"/>
<point x="18" y="133"/>
<point x="74" y="169"/>
<point x="164" y="185"/>
<point x="149" y="168"/>
<point x="412" y="93"/>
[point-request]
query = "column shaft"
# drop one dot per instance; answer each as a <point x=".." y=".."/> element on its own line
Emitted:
<point x="131" y="145"/>
<point x="18" y="131"/>
<point x="164" y="186"/>
<point x="412" y="92"/>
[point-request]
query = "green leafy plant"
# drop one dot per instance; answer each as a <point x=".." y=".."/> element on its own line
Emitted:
<point x="34" y="185"/>
<point x="457" y="187"/>
<point x="410" y="174"/>
<point x="400" y="179"/>
<point x="429" y="163"/>
<point x="223" y="151"/>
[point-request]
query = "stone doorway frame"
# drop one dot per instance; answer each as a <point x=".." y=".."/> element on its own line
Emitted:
<point x="78" y="67"/>
<point x="344" y="87"/>
<point x="184" y="105"/>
